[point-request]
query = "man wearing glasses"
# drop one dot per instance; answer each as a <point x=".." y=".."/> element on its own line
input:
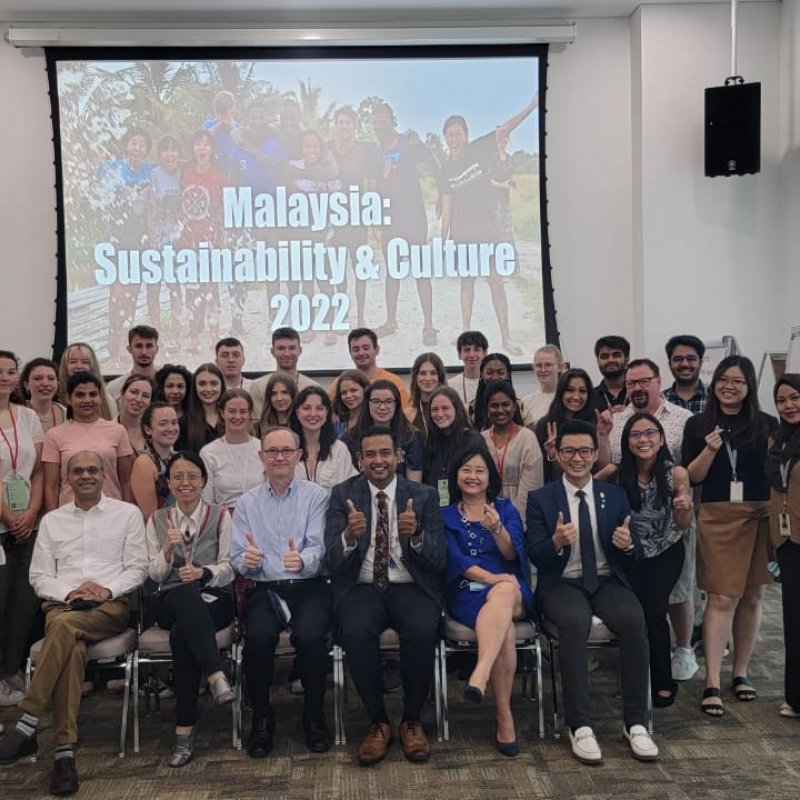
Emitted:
<point x="89" y="555"/>
<point x="277" y="541"/>
<point x="685" y="354"/>
<point x="579" y="537"/>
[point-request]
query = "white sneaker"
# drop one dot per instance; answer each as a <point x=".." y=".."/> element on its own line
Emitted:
<point x="684" y="664"/>
<point x="585" y="747"/>
<point x="642" y="745"/>
<point x="787" y="711"/>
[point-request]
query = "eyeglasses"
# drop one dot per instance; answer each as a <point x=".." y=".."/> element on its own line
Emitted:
<point x="378" y="403"/>
<point x="737" y="382"/>
<point x="192" y="477"/>
<point x="283" y="452"/>
<point x="688" y="359"/>
<point x="78" y="471"/>
<point x="571" y="452"/>
<point x="643" y="382"/>
<point x="650" y="433"/>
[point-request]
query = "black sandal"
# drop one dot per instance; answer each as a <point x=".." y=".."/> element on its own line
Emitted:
<point x="715" y="710"/>
<point x="744" y="692"/>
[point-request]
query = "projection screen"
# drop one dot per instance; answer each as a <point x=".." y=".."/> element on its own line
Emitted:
<point x="212" y="194"/>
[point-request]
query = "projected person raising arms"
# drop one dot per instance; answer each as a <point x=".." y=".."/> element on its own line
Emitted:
<point x="394" y="173"/>
<point x="469" y="205"/>
<point x="124" y="185"/>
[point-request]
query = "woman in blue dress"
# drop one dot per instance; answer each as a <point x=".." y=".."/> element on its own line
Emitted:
<point x="488" y="584"/>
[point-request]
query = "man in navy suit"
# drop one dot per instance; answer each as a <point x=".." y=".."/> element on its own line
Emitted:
<point x="578" y="537"/>
<point x="386" y="552"/>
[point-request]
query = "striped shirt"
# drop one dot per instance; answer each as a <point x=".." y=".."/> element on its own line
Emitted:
<point x="273" y="519"/>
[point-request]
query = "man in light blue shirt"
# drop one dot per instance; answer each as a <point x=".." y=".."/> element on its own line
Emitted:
<point x="277" y="542"/>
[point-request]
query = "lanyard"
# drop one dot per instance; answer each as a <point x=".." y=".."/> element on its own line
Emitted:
<point x="501" y="457"/>
<point x="732" y="456"/>
<point x="13" y="454"/>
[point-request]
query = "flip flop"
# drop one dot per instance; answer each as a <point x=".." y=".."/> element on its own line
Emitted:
<point x="715" y="710"/>
<point x="744" y="692"/>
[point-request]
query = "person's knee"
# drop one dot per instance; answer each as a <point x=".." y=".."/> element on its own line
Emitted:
<point x="720" y="603"/>
<point x="260" y="641"/>
<point x="504" y="593"/>
<point x="750" y="602"/>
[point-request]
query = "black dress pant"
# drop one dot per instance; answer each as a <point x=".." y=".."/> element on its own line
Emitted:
<point x="570" y="607"/>
<point x="309" y="602"/>
<point x="652" y="579"/>
<point x="363" y="614"/>
<point x="789" y="561"/>
<point x="192" y="624"/>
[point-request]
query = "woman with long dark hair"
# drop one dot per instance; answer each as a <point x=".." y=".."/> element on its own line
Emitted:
<point x="325" y="460"/>
<point x="513" y="447"/>
<point x="449" y="432"/>
<point x="661" y="512"/>
<point x="202" y="422"/>
<point x="574" y="399"/>
<point x="173" y="386"/>
<point x="38" y="388"/>
<point x="348" y="400"/>
<point x="487" y="583"/>
<point x="427" y="374"/>
<point x="134" y="398"/>
<point x="725" y="450"/>
<point x="279" y="394"/>
<point x="494" y="367"/>
<point x="784" y="522"/>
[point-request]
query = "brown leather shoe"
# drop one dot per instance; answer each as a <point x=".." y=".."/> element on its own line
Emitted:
<point x="374" y="745"/>
<point x="416" y="746"/>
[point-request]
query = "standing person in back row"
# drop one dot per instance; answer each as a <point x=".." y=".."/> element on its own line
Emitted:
<point x="612" y="354"/>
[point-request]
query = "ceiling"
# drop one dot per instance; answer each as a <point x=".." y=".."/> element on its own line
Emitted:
<point x="237" y="11"/>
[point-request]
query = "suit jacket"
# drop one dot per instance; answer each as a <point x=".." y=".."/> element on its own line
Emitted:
<point x="426" y="566"/>
<point x="544" y="505"/>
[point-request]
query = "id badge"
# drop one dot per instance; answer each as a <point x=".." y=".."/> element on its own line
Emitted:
<point x="444" y="492"/>
<point x="18" y="493"/>
<point x="737" y="492"/>
<point x="785" y="524"/>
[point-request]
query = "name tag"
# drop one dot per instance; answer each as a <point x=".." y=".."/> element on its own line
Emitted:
<point x="18" y="493"/>
<point x="737" y="492"/>
<point x="444" y="492"/>
<point x="785" y="524"/>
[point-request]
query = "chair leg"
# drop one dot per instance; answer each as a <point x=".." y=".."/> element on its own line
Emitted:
<point x="338" y="695"/>
<point x="135" y="701"/>
<point x="237" y="700"/>
<point x="554" y="686"/>
<point x="445" y="700"/>
<point x="539" y="692"/>
<point x="439" y="659"/>
<point x="123" y="728"/>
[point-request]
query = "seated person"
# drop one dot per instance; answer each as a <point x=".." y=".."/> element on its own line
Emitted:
<point x="488" y="583"/>
<point x="578" y="537"/>
<point x="88" y="555"/>
<point x="277" y="542"/>
<point x="188" y="546"/>
<point x="386" y="552"/>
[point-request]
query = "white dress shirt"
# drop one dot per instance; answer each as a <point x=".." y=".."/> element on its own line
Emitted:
<point x="574" y="568"/>
<point x="105" y="544"/>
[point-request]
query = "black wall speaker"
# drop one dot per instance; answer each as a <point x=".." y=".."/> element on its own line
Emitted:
<point x="733" y="129"/>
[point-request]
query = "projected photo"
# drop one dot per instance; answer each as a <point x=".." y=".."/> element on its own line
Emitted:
<point x="216" y="198"/>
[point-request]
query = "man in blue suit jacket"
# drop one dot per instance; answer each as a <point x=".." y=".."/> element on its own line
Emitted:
<point x="578" y="537"/>
<point x="386" y="552"/>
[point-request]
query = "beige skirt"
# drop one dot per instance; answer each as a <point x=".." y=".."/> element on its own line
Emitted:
<point x="733" y="547"/>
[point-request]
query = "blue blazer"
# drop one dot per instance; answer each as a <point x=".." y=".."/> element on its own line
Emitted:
<point x="544" y="505"/>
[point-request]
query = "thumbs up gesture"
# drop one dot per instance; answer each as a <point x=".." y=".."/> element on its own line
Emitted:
<point x="621" y="538"/>
<point x="565" y="534"/>
<point x="189" y="572"/>
<point x="407" y="520"/>
<point x="172" y="540"/>
<point x="356" y="524"/>
<point x="252" y="555"/>
<point x="292" y="561"/>
<point x="682" y="500"/>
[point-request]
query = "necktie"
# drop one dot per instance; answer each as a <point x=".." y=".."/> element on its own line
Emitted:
<point x="380" y="562"/>
<point x="588" y="556"/>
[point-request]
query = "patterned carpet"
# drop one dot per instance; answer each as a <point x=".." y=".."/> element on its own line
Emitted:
<point x="751" y="754"/>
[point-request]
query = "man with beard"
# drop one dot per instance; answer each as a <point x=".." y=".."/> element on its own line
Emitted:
<point x="643" y="383"/>
<point x="143" y="347"/>
<point x="612" y="354"/>
<point x="685" y="354"/>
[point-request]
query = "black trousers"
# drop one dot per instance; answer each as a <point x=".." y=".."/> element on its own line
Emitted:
<point x="363" y="614"/>
<point x="652" y="579"/>
<point x="570" y="607"/>
<point x="309" y="602"/>
<point x="789" y="561"/>
<point x="19" y="604"/>
<point x="192" y="623"/>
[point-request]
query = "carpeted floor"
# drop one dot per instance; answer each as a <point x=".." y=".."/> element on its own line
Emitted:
<point x="751" y="754"/>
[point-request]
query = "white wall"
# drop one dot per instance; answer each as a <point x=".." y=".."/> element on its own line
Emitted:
<point x="642" y="243"/>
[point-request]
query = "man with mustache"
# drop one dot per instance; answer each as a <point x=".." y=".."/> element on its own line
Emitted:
<point x="685" y="354"/>
<point x="612" y="354"/>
